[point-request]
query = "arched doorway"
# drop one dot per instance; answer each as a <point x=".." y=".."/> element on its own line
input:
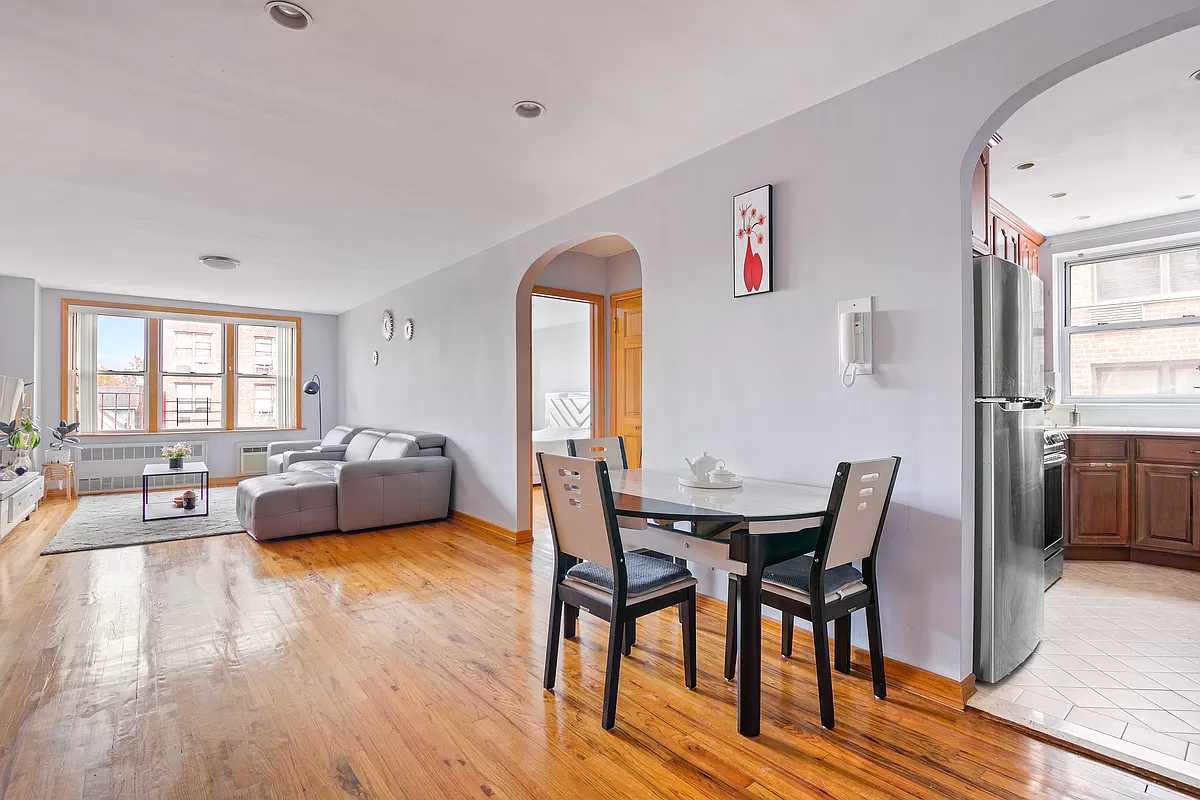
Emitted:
<point x="1081" y="292"/>
<point x="574" y="302"/>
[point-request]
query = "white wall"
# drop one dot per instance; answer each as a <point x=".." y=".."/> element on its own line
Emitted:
<point x="562" y="362"/>
<point x="624" y="272"/>
<point x="871" y="198"/>
<point x="1170" y="231"/>
<point x="20" y="318"/>
<point x="318" y="353"/>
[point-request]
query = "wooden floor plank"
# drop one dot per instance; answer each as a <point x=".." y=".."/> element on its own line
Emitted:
<point x="408" y="663"/>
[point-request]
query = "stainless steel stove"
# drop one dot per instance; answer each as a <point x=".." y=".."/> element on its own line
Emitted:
<point x="1054" y="467"/>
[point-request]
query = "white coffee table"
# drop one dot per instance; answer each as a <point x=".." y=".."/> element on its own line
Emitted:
<point x="168" y="510"/>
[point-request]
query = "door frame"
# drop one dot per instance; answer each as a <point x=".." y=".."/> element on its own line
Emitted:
<point x="613" y="299"/>
<point x="596" y="301"/>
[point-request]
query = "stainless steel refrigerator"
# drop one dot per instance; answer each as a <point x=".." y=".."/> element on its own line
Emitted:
<point x="1009" y="505"/>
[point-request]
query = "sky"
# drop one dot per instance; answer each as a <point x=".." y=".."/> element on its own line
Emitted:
<point x="119" y="340"/>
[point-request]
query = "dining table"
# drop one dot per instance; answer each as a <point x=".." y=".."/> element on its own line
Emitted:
<point x="742" y="530"/>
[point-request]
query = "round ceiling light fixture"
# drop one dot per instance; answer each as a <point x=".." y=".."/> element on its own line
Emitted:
<point x="1083" y="216"/>
<point x="1185" y="197"/>
<point x="222" y="263"/>
<point x="1195" y="75"/>
<point x="1058" y="195"/>
<point x="289" y="15"/>
<point x="529" y="109"/>
<point x="1024" y="166"/>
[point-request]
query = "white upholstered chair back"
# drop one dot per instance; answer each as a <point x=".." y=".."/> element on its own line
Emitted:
<point x="608" y="450"/>
<point x="868" y="489"/>
<point x="577" y="507"/>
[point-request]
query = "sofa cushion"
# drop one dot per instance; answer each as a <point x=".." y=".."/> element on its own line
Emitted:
<point x="272" y="506"/>
<point x="362" y="445"/>
<point x="425" y="439"/>
<point x="341" y="434"/>
<point x="395" y="445"/>
<point x="316" y="465"/>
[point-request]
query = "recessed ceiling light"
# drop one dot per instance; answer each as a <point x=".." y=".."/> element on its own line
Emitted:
<point x="1024" y="166"/>
<point x="1057" y="195"/>
<point x="1084" y="216"/>
<point x="529" y="109"/>
<point x="223" y="263"/>
<point x="1185" y="197"/>
<point x="289" y="15"/>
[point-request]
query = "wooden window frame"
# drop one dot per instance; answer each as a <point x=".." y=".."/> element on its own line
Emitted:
<point x="154" y="373"/>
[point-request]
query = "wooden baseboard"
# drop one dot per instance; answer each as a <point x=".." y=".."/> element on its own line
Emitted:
<point x="483" y="526"/>
<point x="938" y="688"/>
<point x="1087" y="552"/>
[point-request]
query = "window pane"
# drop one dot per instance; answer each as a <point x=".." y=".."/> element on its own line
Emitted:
<point x="121" y="402"/>
<point x="191" y="403"/>
<point x="258" y="351"/>
<point x="120" y="343"/>
<point x="256" y="403"/>
<point x="189" y="346"/>
<point x="1136" y="363"/>
<point x="1185" y="271"/>
<point x="1154" y="286"/>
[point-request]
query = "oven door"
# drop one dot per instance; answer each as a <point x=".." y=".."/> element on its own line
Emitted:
<point x="1054" y="470"/>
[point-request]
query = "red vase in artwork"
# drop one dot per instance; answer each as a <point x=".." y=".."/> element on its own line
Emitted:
<point x="752" y="269"/>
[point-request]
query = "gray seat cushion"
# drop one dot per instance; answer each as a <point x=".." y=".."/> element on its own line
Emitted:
<point x="318" y="466"/>
<point x="643" y="574"/>
<point x="289" y="504"/>
<point x="795" y="573"/>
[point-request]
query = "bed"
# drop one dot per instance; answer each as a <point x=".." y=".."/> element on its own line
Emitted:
<point x="568" y="416"/>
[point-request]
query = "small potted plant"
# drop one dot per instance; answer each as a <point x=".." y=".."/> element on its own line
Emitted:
<point x="23" y="437"/>
<point x="60" y="452"/>
<point x="175" y="454"/>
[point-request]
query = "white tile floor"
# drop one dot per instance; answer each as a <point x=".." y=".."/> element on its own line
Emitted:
<point x="1119" y="667"/>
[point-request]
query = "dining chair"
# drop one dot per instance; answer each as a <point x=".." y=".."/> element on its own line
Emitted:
<point x="593" y="573"/>
<point x="826" y="587"/>
<point x="610" y="450"/>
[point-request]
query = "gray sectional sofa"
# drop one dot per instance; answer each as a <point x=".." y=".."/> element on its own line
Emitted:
<point x="354" y="478"/>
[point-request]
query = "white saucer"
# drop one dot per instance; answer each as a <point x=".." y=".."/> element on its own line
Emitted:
<point x="702" y="483"/>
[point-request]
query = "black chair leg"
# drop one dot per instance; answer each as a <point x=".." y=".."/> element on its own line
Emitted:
<point x="631" y="628"/>
<point x="683" y="563"/>
<point x="551" y="667"/>
<point x="824" y="677"/>
<point x="627" y="639"/>
<point x="789" y="628"/>
<point x="570" y="617"/>
<point x="689" y="639"/>
<point x="731" y="629"/>
<point x="875" y="641"/>
<point x="612" y="675"/>
<point x="841" y="644"/>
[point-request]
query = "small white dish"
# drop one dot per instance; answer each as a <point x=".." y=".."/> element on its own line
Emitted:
<point x="705" y="483"/>
<point x="721" y="475"/>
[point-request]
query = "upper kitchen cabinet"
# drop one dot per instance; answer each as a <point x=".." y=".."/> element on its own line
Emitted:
<point x="994" y="229"/>
<point x="981" y="220"/>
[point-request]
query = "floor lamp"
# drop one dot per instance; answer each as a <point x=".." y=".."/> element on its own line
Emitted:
<point x="314" y="387"/>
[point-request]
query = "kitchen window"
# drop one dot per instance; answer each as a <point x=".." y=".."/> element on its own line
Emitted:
<point x="1132" y="331"/>
<point x="140" y="369"/>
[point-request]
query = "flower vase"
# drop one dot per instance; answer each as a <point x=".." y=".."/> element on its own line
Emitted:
<point x="23" y="463"/>
<point x="175" y="463"/>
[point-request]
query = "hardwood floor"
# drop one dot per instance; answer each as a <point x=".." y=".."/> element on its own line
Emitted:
<point x="407" y="663"/>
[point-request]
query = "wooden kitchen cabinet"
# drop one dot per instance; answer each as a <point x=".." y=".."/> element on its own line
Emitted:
<point x="1098" y="511"/>
<point x="1134" y="498"/>
<point x="994" y="229"/>
<point x="981" y="218"/>
<point x="1165" y="507"/>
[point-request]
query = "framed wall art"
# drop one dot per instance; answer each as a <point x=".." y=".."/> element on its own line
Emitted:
<point x="752" y="242"/>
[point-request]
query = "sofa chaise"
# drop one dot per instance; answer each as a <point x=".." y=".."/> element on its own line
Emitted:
<point x="354" y="478"/>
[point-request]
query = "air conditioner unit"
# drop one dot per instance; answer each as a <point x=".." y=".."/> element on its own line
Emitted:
<point x="252" y="458"/>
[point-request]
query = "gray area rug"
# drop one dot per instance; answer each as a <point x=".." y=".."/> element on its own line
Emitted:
<point x="115" y="520"/>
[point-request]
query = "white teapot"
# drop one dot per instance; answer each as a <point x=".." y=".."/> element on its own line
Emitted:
<point x="703" y="464"/>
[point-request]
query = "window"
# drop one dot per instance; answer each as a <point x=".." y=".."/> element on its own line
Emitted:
<point x="1133" y="326"/>
<point x="116" y="398"/>
<point x="137" y="369"/>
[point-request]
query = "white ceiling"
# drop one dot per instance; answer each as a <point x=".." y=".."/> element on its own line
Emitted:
<point x="604" y="246"/>
<point x="380" y="145"/>
<point x="549" y="312"/>
<point x="1122" y="139"/>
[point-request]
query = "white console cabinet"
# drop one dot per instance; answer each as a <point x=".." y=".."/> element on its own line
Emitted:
<point x="18" y="499"/>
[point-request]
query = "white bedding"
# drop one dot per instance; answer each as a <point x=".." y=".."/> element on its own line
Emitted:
<point x="554" y="440"/>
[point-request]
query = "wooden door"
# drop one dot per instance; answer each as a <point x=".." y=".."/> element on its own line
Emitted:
<point x="626" y="377"/>
<point x="1099" y="504"/>
<point x="1164" y="507"/>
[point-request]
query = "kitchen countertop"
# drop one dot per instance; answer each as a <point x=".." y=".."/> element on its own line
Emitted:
<point x="1117" y="430"/>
